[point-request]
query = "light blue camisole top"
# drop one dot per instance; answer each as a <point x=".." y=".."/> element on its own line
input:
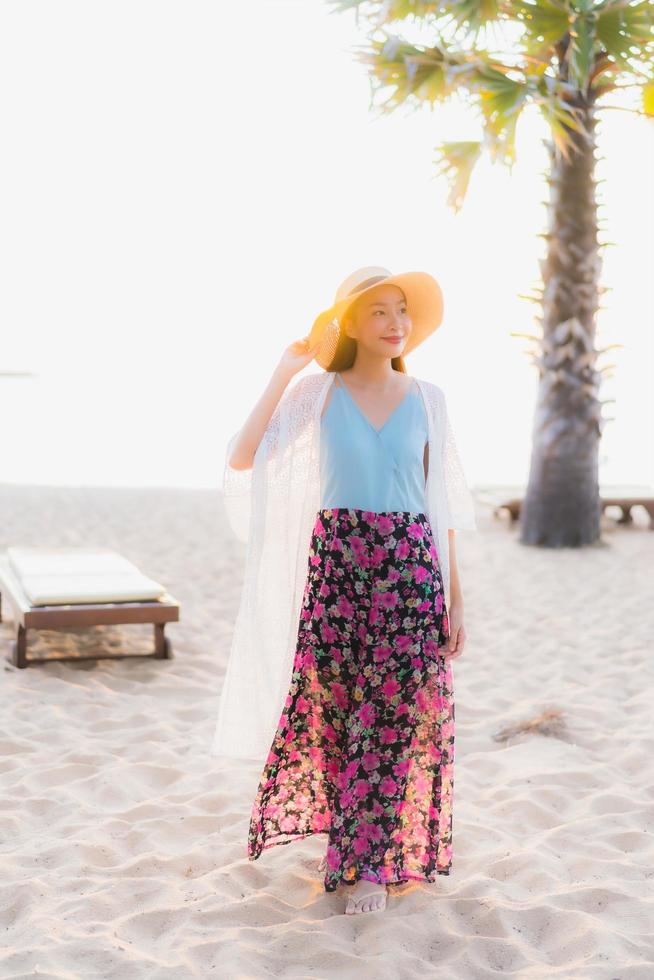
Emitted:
<point x="373" y="469"/>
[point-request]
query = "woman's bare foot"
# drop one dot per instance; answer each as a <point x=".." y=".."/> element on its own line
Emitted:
<point x="366" y="896"/>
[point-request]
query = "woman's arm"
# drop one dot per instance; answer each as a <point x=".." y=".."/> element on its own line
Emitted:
<point x="251" y="433"/>
<point x="456" y="643"/>
<point x="456" y="595"/>
<point x="247" y="440"/>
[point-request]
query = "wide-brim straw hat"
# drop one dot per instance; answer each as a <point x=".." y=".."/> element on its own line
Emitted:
<point x="424" y="299"/>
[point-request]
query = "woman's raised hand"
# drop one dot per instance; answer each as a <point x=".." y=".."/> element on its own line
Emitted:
<point x="297" y="355"/>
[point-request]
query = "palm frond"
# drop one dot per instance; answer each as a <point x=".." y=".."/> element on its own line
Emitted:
<point x="545" y="22"/>
<point x="473" y="15"/>
<point x="626" y="31"/>
<point x="555" y="104"/>
<point x="456" y="161"/>
<point x="427" y="74"/>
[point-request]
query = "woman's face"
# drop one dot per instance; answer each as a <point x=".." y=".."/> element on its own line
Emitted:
<point x="380" y="321"/>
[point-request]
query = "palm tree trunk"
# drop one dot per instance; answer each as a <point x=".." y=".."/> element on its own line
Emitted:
<point x="562" y="503"/>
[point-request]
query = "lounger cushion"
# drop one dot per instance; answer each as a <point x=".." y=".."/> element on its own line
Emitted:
<point x="58" y="576"/>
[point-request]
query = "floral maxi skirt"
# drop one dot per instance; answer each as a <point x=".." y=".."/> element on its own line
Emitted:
<point x="364" y="749"/>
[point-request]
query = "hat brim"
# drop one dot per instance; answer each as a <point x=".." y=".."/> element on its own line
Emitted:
<point x="425" y="306"/>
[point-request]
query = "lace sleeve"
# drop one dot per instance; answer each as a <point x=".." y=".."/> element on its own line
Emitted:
<point x="461" y="510"/>
<point x="237" y="494"/>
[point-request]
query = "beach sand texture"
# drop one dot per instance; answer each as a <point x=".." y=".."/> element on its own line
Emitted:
<point x="124" y="841"/>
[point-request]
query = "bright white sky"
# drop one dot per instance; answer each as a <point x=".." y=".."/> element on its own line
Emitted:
<point x="182" y="188"/>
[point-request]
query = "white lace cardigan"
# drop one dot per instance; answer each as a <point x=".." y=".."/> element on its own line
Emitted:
<point x="272" y="507"/>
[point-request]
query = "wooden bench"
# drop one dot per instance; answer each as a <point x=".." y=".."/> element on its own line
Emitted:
<point x="72" y="587"/>
<point x="625" y="497"/>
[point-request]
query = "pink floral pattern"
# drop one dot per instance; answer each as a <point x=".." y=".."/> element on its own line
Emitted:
<point x="364" y="750"/>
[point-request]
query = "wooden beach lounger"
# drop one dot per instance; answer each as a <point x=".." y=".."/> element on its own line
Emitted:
<point x="55" y="588"/>
<point x="511" y="498"/>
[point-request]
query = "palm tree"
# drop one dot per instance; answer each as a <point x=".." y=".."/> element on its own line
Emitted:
<point x="567" y="57"/>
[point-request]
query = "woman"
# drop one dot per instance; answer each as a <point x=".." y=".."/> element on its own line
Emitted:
<point x="363" y="748"/>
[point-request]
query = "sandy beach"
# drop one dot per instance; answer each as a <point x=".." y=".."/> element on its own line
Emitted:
<point x="124" y="840"/>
